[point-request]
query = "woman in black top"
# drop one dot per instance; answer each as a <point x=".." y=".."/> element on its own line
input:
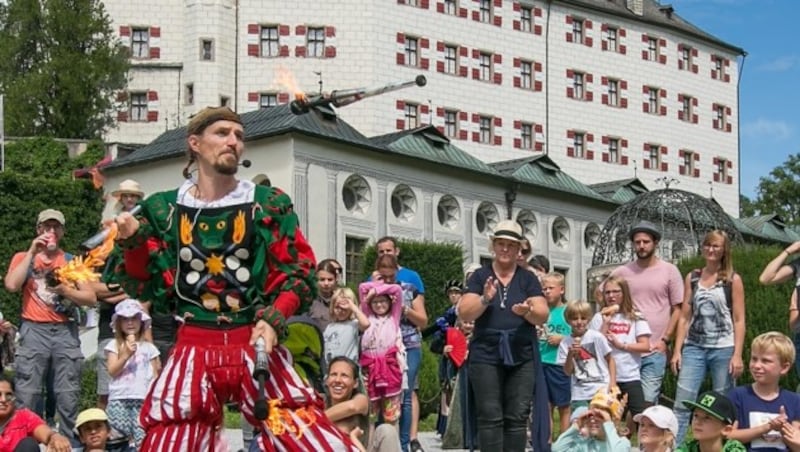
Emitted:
<point x="505" y="301"/>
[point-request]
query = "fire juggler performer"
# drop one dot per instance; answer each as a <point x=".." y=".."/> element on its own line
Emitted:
<point x="227" y="256"/>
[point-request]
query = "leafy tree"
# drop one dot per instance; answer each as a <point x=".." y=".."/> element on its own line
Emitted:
<point x="778" y="191"/>
<point x="747" y="208"/>
<point x="60" y="67"/>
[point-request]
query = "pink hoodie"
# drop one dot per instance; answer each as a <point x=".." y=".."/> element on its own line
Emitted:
<point x="382" y="343"/>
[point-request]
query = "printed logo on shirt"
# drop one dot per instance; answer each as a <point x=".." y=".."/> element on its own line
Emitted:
<point x="587" y="369"/>
<point x="619" y="327"/>
<point x="772" y="439"/>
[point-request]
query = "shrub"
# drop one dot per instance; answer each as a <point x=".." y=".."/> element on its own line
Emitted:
<point x="436" y="264"/>
<point x="88" y="384"/>
<point x="429" y="388"/>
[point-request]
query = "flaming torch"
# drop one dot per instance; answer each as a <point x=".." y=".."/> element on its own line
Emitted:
<point x="82" y="268"/>
<point x="339" y="98"/>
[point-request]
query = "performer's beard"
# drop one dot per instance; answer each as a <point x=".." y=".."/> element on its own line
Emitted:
<point x="226" y="166"/>
<point x="228" y="170"/>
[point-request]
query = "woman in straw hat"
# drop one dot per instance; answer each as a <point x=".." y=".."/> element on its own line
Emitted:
<point x="505" y="301"/>
<point x="128" y="195"/>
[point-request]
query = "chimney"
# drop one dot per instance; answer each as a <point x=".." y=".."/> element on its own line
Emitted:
<point x="635" y="6"/>
<point x="667" y="9"/>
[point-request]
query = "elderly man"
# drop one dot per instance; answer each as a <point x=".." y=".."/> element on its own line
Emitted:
<point x="49" y="337"/>
<point x="227" y="256"/>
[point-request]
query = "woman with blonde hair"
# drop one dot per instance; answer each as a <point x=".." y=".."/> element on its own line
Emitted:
<point x="710" y="332"/>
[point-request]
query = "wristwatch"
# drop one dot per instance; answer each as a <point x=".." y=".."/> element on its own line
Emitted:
<point x="485" y="301"/>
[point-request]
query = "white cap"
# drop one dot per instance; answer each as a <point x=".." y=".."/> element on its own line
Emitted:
<point x="661" y="416"/>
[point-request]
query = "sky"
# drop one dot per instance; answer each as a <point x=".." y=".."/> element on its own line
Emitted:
<point x="770" y="91"/>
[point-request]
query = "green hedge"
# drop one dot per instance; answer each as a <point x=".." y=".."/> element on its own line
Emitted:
<point x="436" y="264"/>
<point x="38" y="176"/>
<point x="766" y="307"/>
<point x="89" y="384"/>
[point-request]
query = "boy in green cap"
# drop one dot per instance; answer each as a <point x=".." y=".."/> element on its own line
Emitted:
<point x="713" y="417"/>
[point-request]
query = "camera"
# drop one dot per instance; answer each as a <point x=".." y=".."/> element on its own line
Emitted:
<point x="60" y="304"/>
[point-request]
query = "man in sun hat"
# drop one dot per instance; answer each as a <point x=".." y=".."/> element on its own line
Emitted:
<point x="228" y="256"/>
<point x="50" y="335"/>
<point x="657" y="291"/>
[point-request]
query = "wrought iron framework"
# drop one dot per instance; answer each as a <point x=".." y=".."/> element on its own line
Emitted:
<point x="682" y="217"/>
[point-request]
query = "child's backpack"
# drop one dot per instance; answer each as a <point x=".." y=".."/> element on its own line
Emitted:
<point x="307" y="346"/>
<point x="727" y="287"/>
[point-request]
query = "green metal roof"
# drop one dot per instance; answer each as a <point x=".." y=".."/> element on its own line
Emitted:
<point x="427" y="143"/>
<point x="257" y="124"/>
<point x="621" y="191"/>
<point x="540" y="170"/>
<point x="770" y="227"/>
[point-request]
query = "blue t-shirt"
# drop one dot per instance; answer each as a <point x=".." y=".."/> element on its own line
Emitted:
<point x="406" y="275"/>
<point x="485" y="344"/>
<point x="752" y="411"/>
<point x="412" y="338"/>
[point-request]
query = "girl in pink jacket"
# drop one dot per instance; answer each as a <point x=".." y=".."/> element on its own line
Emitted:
<point x="382" y="349"/>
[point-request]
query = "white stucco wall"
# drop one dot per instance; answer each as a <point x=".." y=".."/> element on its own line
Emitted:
<point x="366" y="47"/>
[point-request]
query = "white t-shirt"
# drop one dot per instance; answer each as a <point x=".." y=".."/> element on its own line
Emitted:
<point x="135" y="378"/>
<point x="590" y="369"/>
<point x="341" y="339"/>
<point x="627" y="332"/>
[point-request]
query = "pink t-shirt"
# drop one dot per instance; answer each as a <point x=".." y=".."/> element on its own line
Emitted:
<point x="654" y="291"/>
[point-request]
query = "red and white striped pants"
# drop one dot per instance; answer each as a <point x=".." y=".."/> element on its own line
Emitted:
<point x="183" y="410"/>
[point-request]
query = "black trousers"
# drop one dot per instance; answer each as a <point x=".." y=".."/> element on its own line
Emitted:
<point x="504" y="404"/>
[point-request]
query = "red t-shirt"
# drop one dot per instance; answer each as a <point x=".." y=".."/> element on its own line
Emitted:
<point x="21" y="425"/>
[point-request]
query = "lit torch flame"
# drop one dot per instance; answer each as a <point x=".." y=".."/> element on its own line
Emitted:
<point x="283" y="420"/>
<point x="286" y="81"/>
<point x="82" y="269"/>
